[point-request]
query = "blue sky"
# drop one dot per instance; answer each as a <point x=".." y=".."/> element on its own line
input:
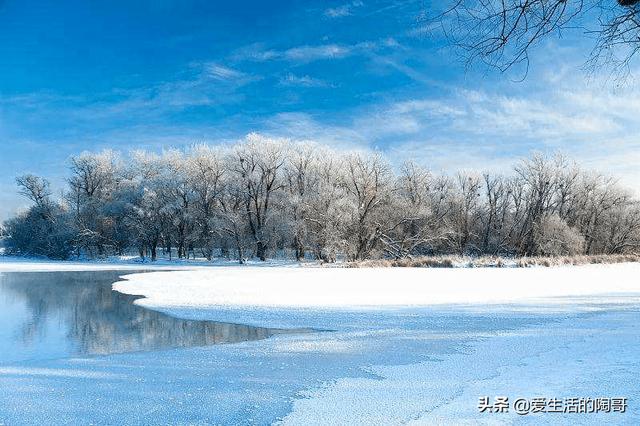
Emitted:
<point x="80" y="75"/>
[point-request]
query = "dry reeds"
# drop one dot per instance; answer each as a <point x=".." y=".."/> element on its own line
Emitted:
<point x="492" y="261"/>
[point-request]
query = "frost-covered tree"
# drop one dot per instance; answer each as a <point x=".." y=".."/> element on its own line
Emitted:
<point x="367" y="182"/>
<point x="258" y="165"/>
<point x="35" y="189"/>
<point x="44" y="228"/>
<point x="553" y="237"/>
<point x="263" y="197"/>
<point x="94" y="180"/>
<point x="230" y="218"/>
<point x="419" y="215"/>
<point x="301" y="181"/>
<point x="466" y="213"/>
<point x="205" y="174"/>
<point x="329" y="208"/>
<point x="494" y="214"/>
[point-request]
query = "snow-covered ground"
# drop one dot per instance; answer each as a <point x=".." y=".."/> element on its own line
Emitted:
<point x="405" y="346"/>
<point x="323" y="288"/>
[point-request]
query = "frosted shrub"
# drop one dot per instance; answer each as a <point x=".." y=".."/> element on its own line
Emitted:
<point x="553" y="237"/>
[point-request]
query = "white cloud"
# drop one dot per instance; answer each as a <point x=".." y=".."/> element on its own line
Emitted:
<point x="303" y="126"/>
<point x="220" y="72"/>
<point x="200" y="84"/>
<point x="451" y="155"/>
<point x="546" y="118"/>
<point x="489" y="130"/>
<point x="257" y="52"/>
<point x="549" y="117"/>
<point x="312" y="53"/>
<point x="306" y="53"/>
<point x="343" y="10"/>
<point x="303" y="81"/>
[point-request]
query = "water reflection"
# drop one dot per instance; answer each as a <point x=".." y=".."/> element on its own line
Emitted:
<point x="44" y="315"/>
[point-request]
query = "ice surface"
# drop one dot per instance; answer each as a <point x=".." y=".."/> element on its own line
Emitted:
<point x="373" y="364"/>
<point x="122" y="263"/>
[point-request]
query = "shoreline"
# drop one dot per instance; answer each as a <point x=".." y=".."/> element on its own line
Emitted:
<point x="10" y="263"/>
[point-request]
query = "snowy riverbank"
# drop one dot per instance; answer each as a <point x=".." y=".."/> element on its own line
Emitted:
<point x="374" y="287"/>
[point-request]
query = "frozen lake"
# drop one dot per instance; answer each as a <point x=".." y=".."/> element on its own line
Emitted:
<point x="74" y="351"/>
<point x="49" y="315"/>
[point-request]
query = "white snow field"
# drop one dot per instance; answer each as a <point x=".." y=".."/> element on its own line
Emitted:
<point x="376" y="287"/>
<point x="394" y="346"/>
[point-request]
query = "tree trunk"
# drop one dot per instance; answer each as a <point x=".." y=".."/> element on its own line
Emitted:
<point x="240" y="255"/>
<point x="297" y="243"/>
<point x="261" y="251"/>
<point x="154" y="250"/>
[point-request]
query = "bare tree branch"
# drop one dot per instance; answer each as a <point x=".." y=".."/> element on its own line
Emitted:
<point x="502" y="33"/>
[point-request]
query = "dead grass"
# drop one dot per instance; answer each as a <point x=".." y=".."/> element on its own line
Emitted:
<point x="577" y="260"/>
<point x="492" y="261"/>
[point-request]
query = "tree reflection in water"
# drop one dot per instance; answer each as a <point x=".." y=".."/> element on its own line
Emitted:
<point x="98" y="320"/>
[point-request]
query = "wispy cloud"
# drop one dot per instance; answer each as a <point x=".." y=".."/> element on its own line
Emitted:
<point x="293" y="80"/>
<point x="343" y="10"/>
<point x="548" y="118"/>
<point x="487" y="130"/>
<point x="257" y="52"/>
<point x="220" y="72"/>
<point x="304" y="126"/>
<point x="312" y="53"/>
<point x="200" y="84"/>
<point x="306" y="53"/>
<point x="553" y="117"/>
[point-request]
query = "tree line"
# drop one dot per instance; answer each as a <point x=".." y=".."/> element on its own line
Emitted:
<point x="263" y="197"/>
